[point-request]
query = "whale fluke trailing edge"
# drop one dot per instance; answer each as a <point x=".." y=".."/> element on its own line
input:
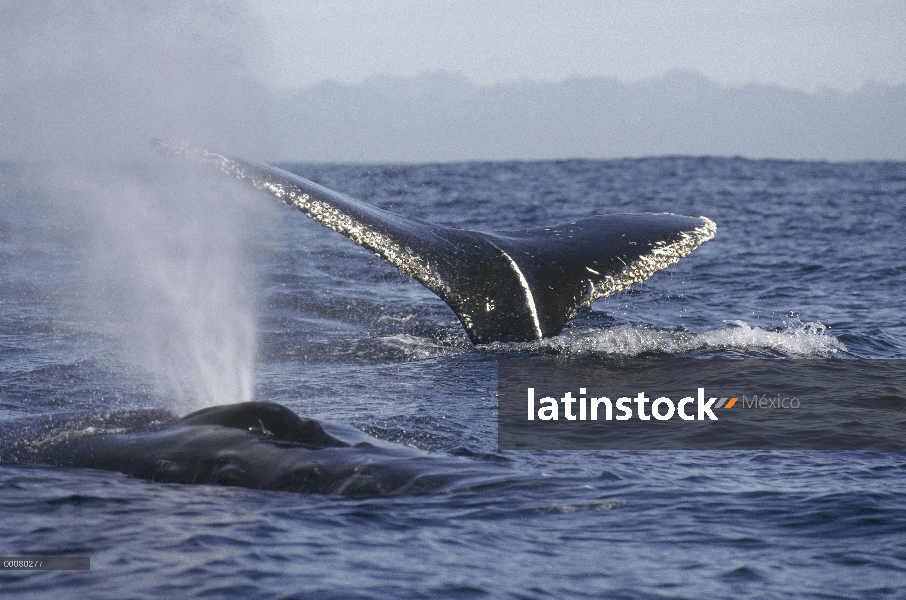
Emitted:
<point x="505" y="286"/>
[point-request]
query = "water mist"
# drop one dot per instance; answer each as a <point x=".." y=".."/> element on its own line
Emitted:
<point x="166" y="273"/>
<point x="155" y="254"/>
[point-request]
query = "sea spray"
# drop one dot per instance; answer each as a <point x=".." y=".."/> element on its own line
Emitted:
<point x="165" y="270"/>
<point x="793" y="339"/>
<point x="151" y="256"/>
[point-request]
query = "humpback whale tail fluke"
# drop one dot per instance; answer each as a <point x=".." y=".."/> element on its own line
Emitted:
<point x="508" y="286"/>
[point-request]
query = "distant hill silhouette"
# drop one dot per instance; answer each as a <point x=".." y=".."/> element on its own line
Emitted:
<point x="113" y="111"/>
<point x="439" y="116"/>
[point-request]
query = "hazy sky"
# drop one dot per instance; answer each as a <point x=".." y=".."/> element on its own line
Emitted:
<point x="801" y="44"/>
<point x="101" y="77"/>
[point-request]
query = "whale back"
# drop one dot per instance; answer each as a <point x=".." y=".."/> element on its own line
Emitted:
<point x="258" y="445"/>
<point x="272" y="420"/>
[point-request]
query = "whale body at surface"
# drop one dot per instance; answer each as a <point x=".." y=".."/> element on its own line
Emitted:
<point x="257" y="445"/>
<point x="506" y="286"/>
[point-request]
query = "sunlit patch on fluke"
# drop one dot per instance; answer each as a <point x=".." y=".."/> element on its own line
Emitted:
<point x="505" y="286"/>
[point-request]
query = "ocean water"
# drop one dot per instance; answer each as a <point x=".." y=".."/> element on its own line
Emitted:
<point x="153" y="289"/>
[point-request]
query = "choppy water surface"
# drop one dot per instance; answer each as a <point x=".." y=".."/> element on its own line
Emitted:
<point x="808" y="262"/>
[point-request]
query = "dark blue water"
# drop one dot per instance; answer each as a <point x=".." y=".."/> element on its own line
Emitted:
<point x="120" y="292"/>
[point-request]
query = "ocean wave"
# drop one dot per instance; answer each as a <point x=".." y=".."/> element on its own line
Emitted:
<point x="794" y="338"/>
<point x="413" y="347"/>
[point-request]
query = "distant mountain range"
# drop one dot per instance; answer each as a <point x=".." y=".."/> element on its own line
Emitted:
<point x="439" y="116"/>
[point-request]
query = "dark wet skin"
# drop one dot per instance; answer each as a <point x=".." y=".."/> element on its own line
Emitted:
<point x="257" y="445"/>
<point x="505" y="286"/>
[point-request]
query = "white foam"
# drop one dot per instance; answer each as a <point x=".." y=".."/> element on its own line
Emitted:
<point x="795" y="339"/>
<point x="415" y="348"/>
